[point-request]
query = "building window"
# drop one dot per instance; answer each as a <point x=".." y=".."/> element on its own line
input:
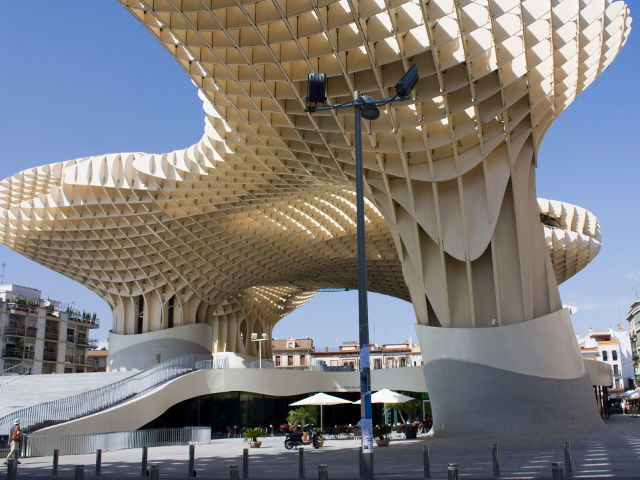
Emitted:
<point x="277" y="360"/>
<point x="377" y="363"/>
<point x="291" y="344"/>
<point x="604" y="355"/>
<point x="614" y="355"/>
<point x="389" y="362"/>
<point x="290" y="360"/>
<point x="403" y="362"/>
<point x="615" y="370"/>
<point x="303" y="360"/>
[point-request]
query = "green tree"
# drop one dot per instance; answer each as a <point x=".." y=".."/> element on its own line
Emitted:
<point x="302" y="415"/>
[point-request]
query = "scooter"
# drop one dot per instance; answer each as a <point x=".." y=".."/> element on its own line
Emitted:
<point x="294" y="439"/>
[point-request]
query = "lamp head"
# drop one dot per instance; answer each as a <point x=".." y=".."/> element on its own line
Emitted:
<point x="254" y="336"/>
<point x="316" y="88"/>
<point x="368" y="108"/>
<point x="407" y="82"/>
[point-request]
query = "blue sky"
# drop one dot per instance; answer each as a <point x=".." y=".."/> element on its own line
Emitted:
<point x="83" y="78"/>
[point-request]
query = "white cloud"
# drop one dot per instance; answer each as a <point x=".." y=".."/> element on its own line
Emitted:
<point x="600" y="304"/>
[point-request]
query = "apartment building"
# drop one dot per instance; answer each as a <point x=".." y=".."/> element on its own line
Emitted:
<point x="388" y="355"/>
<point x="97" y="360"/>
<point x="300" y="353"/>
<point x="633" y="317"/>
<point x="292" y="352"/>
<point x="613" y="347"/>
<point x="38" y="336"/>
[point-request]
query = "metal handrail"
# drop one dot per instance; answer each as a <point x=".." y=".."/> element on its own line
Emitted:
<point x="42" y="445"/>
<point x="3" y="372"/>
<point x="79" y="405"/>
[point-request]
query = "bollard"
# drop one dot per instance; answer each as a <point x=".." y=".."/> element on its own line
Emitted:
<point x="154" y="471"/>
<point x="496" y="463"/>
<point x="79" y="472"/>
<point x="452" y="471"/>
<point x="55" y="462"/>
<point x="426" y="462"/>
<point x="567" y="458"/>
<point x="98" y="462"/>
<point x="143" y="468"/>
<point x="301" y="463"/>
<point x="192" y="456"/>
<point x="12" y="469"/>
<point x="556" y="471"/>
<point x="323" y="472"/>
<point x="234" y="474"/>
<point x="245" y="463"/>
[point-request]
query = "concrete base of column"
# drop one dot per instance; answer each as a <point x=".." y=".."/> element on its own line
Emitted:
<point x="522" y="379"/>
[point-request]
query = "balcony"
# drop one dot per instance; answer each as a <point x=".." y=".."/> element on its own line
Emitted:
<point x="12" y="353"/>
<point x="70" y="338"/>
<point x="14" y="330"/>
<point x="18" y="307"/>
<point x="29" y="354"/>
<point x="88" y="319"/>
<point x="32" y="332"/>
<point x="51" y="335"/>
<point x="82" y="340"/>
<point x="49" y="356"/>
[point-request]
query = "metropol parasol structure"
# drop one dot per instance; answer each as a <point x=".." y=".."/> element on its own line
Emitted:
<point x="246" y="225"/>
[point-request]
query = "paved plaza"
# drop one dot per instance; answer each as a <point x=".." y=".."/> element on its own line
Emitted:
<point x="612" y="452"/>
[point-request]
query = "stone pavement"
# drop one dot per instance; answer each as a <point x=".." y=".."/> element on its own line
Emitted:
<point x="611" y="452"/>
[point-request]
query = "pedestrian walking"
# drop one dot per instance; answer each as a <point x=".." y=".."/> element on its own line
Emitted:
<point x="14" y="439"/>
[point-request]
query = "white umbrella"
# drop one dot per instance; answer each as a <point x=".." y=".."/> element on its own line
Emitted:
<point x="320" y="399"/>
<point x="632" y="394"/>
<point x="387" y="396"/>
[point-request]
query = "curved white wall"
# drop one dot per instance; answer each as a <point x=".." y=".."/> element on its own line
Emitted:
<point x="524" y="378"/>
<point x="141" y="410"/>
<point x="147" y="349"/>
<point x="544" y="347"/>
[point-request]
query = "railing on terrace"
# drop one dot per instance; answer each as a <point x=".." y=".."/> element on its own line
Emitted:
<point x="12" y="352"/>
<point x="42" y="445"/>
<point x="22" y="308"/>
<point x="18" y="331"/>
<point x="50" y="356"/>
<point x="62" y="410"/>
<point x="50" y="335"/>
<point x="11" y="370"/>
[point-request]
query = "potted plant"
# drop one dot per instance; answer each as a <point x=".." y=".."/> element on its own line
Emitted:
<point x="319" y="432"/>
<point x="381" y="434"/>
<point x="411" y="431"/>
<point x="251" y="435"/>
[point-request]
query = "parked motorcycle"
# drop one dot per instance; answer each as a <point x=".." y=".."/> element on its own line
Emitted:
<point x="294" y="439"/>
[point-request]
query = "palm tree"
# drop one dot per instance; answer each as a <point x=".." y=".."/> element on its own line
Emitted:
<point x="302" y="415"/>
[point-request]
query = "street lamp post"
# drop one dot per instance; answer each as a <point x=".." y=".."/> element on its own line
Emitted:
<point x="254" y="338"/>
<point x="367" y="107"/>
